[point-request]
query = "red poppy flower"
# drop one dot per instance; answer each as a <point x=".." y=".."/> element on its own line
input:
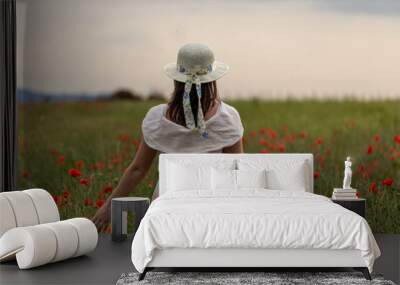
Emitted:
<point x="123" y="137"/>
<point x="84" y="181"/>
<point x="370" y="149"/>
<point x="66" y="194"/>
<point x="135" y="142"/>
<point x="116" y="159"/>
<point x="88" y="202"/>
<point x="302" y="134"/>
<point x="74" y="172"/>
<point x="360" y="168"/>
<point x="281" y="147"/>
<point x="263" y="151"/>
<point x="272" y="133"/>
<point x="263" y="131"/>
<point x="58" y="200"/>
<point x="373" y="187"/>
<point x="263" y="142"/>
<point x="253" y="134"/>
<point x="98" y="166"/>
<point x="319" y="141"/>
<point x="387" y="182"/>
<point x="290" y="138"/>
<point x="397" y="139"/>
<point x="61" y="160"/>
<point x="79" y="164"/>
<point x="107" y="189"/>
<point x="358" y="194"/>
<point x="377" y="138"/>
<point x="99" y="203"/>
<point x="317" y="174"/>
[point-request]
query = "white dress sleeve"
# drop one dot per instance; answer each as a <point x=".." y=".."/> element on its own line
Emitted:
<point x="151" y="126"/>
<point x="236" y="119"/>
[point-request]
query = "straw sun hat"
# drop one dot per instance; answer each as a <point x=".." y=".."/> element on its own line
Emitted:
<point x="195" y="65"/>
<point x="196" y="58"/>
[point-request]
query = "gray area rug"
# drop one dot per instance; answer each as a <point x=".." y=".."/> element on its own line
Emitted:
<point x="229" y="278"/>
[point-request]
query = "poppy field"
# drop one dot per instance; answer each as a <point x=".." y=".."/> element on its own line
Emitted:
<point x="78" y="150"/>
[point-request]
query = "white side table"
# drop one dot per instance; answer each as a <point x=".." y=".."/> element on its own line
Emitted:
<point x="119" y="214"/>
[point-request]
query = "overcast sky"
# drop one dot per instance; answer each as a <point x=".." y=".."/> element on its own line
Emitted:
<point x="272" y="47"/>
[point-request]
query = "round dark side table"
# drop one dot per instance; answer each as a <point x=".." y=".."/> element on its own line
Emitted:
<point x="119" y="215"/>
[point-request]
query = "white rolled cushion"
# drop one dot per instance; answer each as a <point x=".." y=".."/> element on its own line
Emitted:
<point x="7" y="218"/>
<point x="23" y="208"/>
<point x="40" y="244"/>
<point x="223" y="179"/>
<point x="33" y="246"/>
<point x="251" y="178"/>
<point x="182" y="177"/>
<point x="46" y="208"/>
<point x="87" y="235"/>
<point x="67" y="239"/>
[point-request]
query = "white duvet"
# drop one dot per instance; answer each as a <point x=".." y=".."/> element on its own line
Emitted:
<point x="251" y="218"/>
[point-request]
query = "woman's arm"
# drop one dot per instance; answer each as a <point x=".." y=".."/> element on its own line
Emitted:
<point x="129" y="180"/>
<point x="235" y="148"/>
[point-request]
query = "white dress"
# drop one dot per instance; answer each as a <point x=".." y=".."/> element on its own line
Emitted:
<point x="224" y="129"/>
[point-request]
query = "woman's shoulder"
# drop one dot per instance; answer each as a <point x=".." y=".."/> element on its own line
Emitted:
<point x="229" y="121"/>
<point x="230" y="111"/>
<point x="153" y="117"/>
<point x="155" y="113"/>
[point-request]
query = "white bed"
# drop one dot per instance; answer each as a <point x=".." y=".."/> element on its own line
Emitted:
<point x="218" y="225"/>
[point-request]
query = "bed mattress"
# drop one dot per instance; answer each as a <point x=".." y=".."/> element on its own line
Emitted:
<point x="250" y="219"/>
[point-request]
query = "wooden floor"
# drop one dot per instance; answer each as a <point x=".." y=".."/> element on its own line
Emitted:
<point x="110" y="260"/>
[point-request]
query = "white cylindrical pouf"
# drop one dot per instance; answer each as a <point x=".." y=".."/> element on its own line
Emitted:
<point x="46" y="208"/>
<point x="7" y="218"/>
<point x="67" y="239"/>
<point x="34" y="245"/>
<point x="87" y="234"/>
<point x="23" y="207"/>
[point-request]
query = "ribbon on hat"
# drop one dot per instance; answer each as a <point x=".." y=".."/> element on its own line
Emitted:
<point x="187" y="108"/>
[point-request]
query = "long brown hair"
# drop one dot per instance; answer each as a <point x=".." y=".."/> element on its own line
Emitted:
<point x="209" y="96"/>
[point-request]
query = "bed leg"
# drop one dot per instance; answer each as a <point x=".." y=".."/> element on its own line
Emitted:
<point x="364" y="271"/>
<point x="143" y="274"/>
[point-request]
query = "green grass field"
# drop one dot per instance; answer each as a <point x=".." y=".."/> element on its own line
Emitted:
<point x="99" y="140"/>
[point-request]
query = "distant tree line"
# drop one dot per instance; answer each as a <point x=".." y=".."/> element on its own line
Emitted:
<point x="127" y="94"/>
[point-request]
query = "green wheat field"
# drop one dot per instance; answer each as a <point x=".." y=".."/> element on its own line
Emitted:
<point x="78" y="151"/>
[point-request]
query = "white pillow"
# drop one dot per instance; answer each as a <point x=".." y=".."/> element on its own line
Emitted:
<point x="251" y="178"/>
<point x="188" y="177"/>
<point x="281" y="174"/>
<point x="290" y="178"/>
<point x="224" y="179"/>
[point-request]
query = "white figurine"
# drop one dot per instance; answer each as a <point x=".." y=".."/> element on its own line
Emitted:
<point x="347" y="174"/>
